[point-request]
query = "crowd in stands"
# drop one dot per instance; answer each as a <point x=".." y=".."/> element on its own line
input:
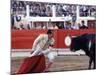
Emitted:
<point x="65" y="10"/>
<point x="75" y="26"/>
<point x="41" y="9"/>
<point x="46" y="10"/>
<point x="87" y="11"/>
<point x="47" y="25"/>
<point x="36" y="8"/>
<point x="18" y="7"/>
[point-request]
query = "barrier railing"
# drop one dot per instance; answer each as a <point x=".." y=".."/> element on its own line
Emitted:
<point x="23" y="39"/>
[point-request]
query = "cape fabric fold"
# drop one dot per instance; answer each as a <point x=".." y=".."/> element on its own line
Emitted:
<point x="34" y="64"/>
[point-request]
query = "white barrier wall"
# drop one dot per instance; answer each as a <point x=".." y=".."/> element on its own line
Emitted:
<point x="56" y="52"/>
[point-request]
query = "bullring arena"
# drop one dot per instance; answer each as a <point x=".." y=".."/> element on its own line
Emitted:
<point x="31" y="18"/>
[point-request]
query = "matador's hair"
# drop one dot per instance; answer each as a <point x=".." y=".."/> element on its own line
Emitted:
<point x="49" y="31"/>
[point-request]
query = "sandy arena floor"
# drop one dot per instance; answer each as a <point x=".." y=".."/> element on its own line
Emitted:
<point x="62" y="63"/>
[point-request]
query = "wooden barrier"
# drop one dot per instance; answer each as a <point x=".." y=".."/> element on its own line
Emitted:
<point x="23" y="39"/>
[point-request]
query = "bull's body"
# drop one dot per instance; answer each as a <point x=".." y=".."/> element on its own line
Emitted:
<point x="87" y="43"/>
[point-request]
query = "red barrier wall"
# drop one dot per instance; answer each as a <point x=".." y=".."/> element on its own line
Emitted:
<point x="63" y="33"/>
<point x="23" y="39"/>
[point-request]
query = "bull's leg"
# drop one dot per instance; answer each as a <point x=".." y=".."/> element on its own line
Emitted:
<point x="90" y="63"/>
<point x="94" y="64"/>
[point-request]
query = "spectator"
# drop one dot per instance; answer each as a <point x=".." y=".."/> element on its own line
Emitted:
<point x="67" y="25"/>
<point x="28" y="27"/>
<point x="43" y="9"/>
<point x="55" y="26"/>
<point x="93" y="11"/>
<point x="12" y="21"/>
<point x="49" y="11"/>
<point x="83" y="26"/>
<point x="79" y="25"/>
<point x="18" y="18"/>
<point x="60" y="25"/>
<point x="38" y="25"/>
<point x="74" y="26"/>
<point x="44" y="27"/>
<point x="22" y="27"/>
<point x="50" y="26"/>
<point x="14" y="6"/>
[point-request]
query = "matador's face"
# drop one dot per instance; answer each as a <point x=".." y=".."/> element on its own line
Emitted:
<point x="50" y="36"/>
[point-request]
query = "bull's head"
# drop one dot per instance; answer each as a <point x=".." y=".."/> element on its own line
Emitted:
<point x="74" y="44"/>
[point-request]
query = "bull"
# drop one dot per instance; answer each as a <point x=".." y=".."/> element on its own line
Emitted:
<point x="87" y="43"/>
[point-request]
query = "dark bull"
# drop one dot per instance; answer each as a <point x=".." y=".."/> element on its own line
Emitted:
<point x="86" y="42"/>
